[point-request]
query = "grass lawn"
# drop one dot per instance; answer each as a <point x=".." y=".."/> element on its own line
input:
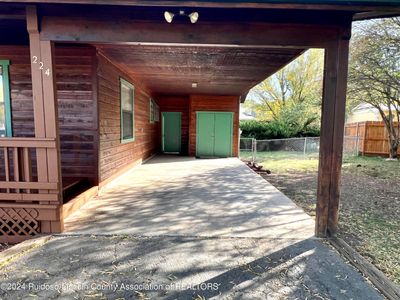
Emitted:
<point x="370" y="201"/>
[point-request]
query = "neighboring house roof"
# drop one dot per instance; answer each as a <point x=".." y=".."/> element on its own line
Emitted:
<point x="365" y="112"/>
<point x="363" y="107"/>
<point x="368" y="107"/>
<point x="246" y="116"/>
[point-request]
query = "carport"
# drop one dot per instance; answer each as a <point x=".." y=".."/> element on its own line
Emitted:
<point x="233" y="46"/>
<point x="172" y="219"/>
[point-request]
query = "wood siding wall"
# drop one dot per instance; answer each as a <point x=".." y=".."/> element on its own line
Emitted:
<point x="76" y="105"/>
<point x="372" y="137"/>
<point x="115" y="156"/>
<point x="213" y="103"/>
<point x="86" y="94"/>
<point x="178" y="104"/>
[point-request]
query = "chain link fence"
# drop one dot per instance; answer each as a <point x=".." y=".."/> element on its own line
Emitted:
<point x="247" y="149"/>
<point x="301" y="148"/>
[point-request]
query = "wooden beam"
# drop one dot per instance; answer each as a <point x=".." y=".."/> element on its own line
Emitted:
<point x="97" y="30"/>
<point x="375" y="14"/>
<point x="243" y="97"/>
<point x="29" y="197"/>
<point x="4" y="17"/>
<point x="332" y="134"/>
<point x="22" y="142"/>
<point x="27" y="185"/>
<point x="344" y="6"/>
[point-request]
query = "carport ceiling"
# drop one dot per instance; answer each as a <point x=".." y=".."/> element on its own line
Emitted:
<point x="216" y="70"/>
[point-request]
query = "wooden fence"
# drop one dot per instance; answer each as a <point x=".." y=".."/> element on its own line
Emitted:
<point x="372" y="137"/>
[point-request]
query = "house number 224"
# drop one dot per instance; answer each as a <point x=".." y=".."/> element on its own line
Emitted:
<point x="41" y="65"/>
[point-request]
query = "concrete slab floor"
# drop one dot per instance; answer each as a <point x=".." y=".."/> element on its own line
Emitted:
<point x="172" y="195"/>
<point x="181" y="228"/>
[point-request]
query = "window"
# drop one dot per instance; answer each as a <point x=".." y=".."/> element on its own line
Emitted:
<point x="151" y="111"/>
<point x="157" y="114"/>
<point x="127" y="113"/>
<point x="5" y="105"/>
<point x="154" y="111"/>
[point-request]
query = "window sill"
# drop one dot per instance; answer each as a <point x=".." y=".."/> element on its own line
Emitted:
<point x="126" y="141"/>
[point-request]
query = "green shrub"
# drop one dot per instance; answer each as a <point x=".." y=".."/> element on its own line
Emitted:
<point x="277" y="129"/>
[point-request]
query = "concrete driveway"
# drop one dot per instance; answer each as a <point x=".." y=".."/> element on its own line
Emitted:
<point x="181" y="228"/>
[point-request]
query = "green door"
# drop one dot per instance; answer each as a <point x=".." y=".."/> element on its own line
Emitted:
<point x="171" y="132"/>
<point x="214" y="134"/>
<point x="205" y="134"/>
<point x="223" y="135"/>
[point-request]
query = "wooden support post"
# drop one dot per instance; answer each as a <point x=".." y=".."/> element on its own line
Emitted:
<point x="37" y="89"/>
<point x="51" y="124"/>
<point x="45" y="110"/>
<point x="332" y="134"/>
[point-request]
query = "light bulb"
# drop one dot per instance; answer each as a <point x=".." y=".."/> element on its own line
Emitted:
<point x="169" y="16"/>
<point x="194" y="16"/>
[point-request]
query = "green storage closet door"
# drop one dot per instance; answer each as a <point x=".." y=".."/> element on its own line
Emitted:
<point x="171" y="132"/>
<point x="214" y="134"/>
<point x="205" y="134"/>
<point x="223" y="135"/>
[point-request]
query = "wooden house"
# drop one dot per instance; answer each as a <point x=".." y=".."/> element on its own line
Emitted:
<point x="88" y="89"/>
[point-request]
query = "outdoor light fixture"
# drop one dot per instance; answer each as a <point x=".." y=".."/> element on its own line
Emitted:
<point x="194" y="85"/>
<point x="169" y="16"/>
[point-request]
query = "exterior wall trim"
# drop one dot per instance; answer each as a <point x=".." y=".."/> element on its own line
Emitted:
<point x="6" y="96"/>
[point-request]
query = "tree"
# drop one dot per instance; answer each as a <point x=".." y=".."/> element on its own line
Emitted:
<point x="374" y="73"/>
<point x="294" y="93"/>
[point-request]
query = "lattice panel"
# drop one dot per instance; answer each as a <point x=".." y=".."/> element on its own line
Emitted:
<point x="19" y="222"/>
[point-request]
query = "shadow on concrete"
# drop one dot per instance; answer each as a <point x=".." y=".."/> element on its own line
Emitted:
<point x="165" y="267"/>
<point x="170" y="158"/>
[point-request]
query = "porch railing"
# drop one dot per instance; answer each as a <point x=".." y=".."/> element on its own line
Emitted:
<point x="20" y="178"/>
<point x="28" y="198"/>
